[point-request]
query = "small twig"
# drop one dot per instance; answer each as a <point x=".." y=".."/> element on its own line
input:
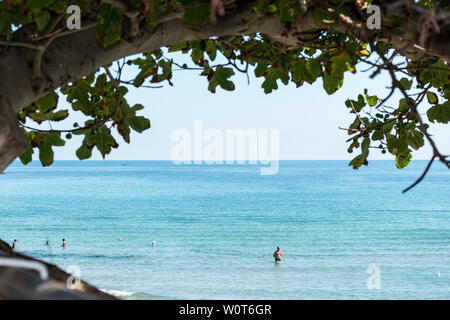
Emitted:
<point x="60" y="33"/>
<point x="115" y="83"/>
<point x="141" y="86"/>
<point x="386" y="99"/>
<point x="54" y="130"/>
<point x="20" y="44"/>
<point x="422" y="176"/>
<point x="54" y="23"/>
<point x="349" y="129"/>
<point x="351" y="103"/>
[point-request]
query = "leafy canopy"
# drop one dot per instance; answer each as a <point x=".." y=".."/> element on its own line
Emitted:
<point x="394" y="127"/>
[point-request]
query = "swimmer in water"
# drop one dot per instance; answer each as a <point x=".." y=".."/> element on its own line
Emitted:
<point x="47" y="243"/>
<point x="277" y="255"/>
<point x="14" y="244"/>
<point x="64" y="243"/>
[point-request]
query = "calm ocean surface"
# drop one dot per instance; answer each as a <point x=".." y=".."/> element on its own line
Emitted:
<point x="216" y="228"/>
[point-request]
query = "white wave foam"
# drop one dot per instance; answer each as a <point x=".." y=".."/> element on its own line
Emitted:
<point x="118" y="293"/>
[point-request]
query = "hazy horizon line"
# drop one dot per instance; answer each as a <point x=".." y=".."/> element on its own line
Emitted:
<point x="246" y="161"/>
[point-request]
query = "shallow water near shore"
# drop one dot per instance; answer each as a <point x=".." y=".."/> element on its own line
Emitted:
<point x="216" y="228"/>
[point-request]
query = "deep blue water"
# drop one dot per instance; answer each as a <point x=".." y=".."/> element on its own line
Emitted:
<point x="216" y="227"/>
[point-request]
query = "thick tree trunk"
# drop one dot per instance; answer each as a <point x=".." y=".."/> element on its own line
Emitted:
<point x="12" y="142"/>
<point x="70" y="57"/>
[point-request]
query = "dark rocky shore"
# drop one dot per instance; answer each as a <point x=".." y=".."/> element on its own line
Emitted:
<point x="27" y="284"/>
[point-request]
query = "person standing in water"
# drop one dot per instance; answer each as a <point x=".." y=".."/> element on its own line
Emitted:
<point x="64" y="243"/>
<point x="277" y="255"/>
<point x="14" y="244"/>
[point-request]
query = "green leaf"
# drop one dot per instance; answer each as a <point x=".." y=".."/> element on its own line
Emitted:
<point x="377" y="135"/>
<point x="439" y="113"/>
<point x="402" y="161"/>
<point x="109" y="25"/>
<point x="440" y="77"/>
<point x="26" y="157"/>
<point x="138" y="123"/>
<point x="397" y="146"/>
<point x="80" y="101"/>
<point x="271" y="8"/>
<point x="403" y="105"/>
<point x="365" y="149"/>
<point x="152" y="12"/>
<point x="387" y="127"/>
<point x="331" y="84"/>
<point x="211" y="49"/>
<point x="47" y="103"/>
<point x="261" y="69"/>
<point x="356" y="162"/>
<point x="102" y="139"/>
<point x="196" y="15"/>
<point x="166" y="67"/>
<point x="432" y="97"/>
<point x="339" y="64"/>
<point x="37" y="5"/>
<point x="358" y="105"/>
<point x="371" y="100"/>
<point x="270" y="82"/>
<point x="406" y="84"/>
<point x="425" y="77"/>
<point x="197" y="54"/>
<point x="124" y="131"/>
<point x="42" y="19"/>
<point x="84" y="152"/>
<point x="314" y="68"/>
<point x="58" y="6"/>
<point x="415" y="139"/>
<point x="220" y="77"/>
<point x="49" y="139"/>
<point x="51" y="116"/>
<point x="147" y="69"/>
<point x="298" y="71"/>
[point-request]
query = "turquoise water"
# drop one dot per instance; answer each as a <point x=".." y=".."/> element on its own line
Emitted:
<point x="216" y="228"/>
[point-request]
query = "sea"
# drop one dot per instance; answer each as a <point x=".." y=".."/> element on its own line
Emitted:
<point x="157" y="230"/>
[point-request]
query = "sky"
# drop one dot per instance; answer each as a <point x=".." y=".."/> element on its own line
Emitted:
<point x="307" y="117"/>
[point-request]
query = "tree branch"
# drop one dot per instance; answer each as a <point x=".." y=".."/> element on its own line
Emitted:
<point x="422" y="176"/>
